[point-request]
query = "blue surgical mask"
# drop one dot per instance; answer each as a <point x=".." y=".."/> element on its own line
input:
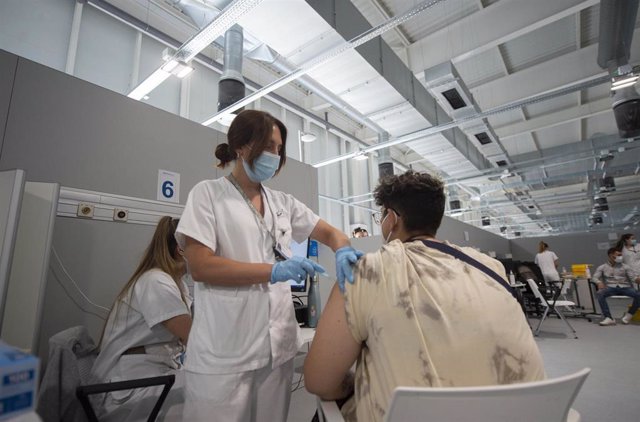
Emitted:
<point x="633" y="242"/>
<point x="619" y="259"/>
<point x="264" y="167"/>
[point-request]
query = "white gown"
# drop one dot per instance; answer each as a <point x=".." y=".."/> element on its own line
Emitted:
<point x="154" y="299"/>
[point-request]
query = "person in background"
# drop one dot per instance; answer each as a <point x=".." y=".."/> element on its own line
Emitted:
<point x="630" y="251"/>
<point x="147" y="330"/>
<point x="236" y="234"/>
<point x="418" y="314"/>
<point x="360" y="232"/>
<point x="548" y="263"/>
<point x="614" y="278"/>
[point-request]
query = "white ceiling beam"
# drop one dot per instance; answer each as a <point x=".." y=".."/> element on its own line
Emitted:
<point x="554" y="119"/>
<point x="488" y="28"/>
<point x="568" y="69"/>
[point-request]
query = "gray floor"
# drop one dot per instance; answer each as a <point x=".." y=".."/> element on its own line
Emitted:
<point x="611" y="392"/>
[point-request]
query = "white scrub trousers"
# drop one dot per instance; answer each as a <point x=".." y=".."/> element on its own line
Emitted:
<point x="261" y="395"/>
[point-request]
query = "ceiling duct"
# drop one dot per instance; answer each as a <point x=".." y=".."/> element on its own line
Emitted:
<point x="617" y="24"/>
<point x="231" y="87"/>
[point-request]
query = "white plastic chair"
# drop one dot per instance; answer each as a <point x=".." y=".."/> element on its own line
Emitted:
<point x="548" y="400"/>
<point x="551" y="305"/>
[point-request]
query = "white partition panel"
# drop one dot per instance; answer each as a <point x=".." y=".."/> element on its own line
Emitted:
<point x="28" y="277"/>
<point x="11" y="187"/>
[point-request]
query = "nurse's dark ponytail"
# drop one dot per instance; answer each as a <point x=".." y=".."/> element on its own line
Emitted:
<point x="225" y="154"/>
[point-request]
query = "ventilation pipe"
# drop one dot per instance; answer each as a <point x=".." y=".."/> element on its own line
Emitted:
<point x="617" y="24"/>
<point x="385" y="162"/>
<point x="231" y="87"/>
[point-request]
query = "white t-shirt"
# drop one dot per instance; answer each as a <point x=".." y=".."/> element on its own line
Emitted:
<point x="546" y="262"/>
<point x="631" y="257"/>
<point x="155" y="298"/>
<point x="239" y="329"/>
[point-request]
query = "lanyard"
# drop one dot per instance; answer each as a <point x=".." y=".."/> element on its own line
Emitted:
<point x="276" y="250"/>
<point x="466" y="258"/>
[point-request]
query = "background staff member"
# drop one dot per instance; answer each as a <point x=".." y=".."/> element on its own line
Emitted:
<point x="146" y="331"/>
<point x="236" y="234"/>
<point x="548" y="262"/>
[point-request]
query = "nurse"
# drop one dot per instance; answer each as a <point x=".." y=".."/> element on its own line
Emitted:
<point x="146" y="332"/>
<point x="235" y="233"/>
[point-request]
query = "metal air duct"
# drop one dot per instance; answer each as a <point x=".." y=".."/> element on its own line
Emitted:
<point x="231" y="86"/>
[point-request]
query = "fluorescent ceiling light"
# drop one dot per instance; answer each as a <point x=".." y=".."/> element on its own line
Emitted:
<point x="624" y="82"/>
<point x="149" y="84"/>
<point x="170" y="65"/>
<point x="228" y="118"/>
<point x="184" y="71"/>
<point x="360" y="156"/>
<point x="307" y="136"/>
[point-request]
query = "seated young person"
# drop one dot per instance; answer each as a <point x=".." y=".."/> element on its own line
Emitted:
<point x="614" y="278"/>
<point x="417" y="316"/>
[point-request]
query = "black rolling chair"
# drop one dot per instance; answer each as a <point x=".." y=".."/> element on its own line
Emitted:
<point x="64" y="390"/>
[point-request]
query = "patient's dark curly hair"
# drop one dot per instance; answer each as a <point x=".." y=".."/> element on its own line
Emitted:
<point x="417" y="197"/>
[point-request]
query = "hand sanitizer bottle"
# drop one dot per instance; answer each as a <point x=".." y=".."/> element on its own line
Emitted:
<point x="313" y="302"/>
<point x="512" y="278"/>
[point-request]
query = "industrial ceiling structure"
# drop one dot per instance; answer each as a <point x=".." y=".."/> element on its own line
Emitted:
<point x="505" y="100"/>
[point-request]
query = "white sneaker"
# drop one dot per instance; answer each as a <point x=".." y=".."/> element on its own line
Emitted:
<point x="626" y="318"/>
<point x="608" y="321"/>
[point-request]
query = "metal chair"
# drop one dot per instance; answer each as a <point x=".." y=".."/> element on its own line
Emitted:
<point x="547" y="400"/>
<point x="551" y="305"/>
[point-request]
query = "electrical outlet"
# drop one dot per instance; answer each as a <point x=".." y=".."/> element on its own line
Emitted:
<point x="85" y="210"/>
<point x="120" y="214"/>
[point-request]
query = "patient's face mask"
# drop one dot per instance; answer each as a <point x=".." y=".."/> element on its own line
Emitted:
<point x="633" y="242"/>
<point x="388" y="236"/>
<point x="619" y="259"/>
<point x="264" y="167"/>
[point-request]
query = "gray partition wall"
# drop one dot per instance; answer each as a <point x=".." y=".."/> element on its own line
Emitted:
<point x="64" y="130"/>
<point x="583" y="248"/>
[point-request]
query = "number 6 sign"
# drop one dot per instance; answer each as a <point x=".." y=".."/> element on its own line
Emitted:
<point x="168" y="186"/>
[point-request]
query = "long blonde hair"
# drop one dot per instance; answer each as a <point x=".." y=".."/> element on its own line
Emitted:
<point x="542" y="247"/>
<point x="162" y="254"/>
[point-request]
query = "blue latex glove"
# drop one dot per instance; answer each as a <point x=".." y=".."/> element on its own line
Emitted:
<point x="296" y="268"/>
<point x="346" y="257"/>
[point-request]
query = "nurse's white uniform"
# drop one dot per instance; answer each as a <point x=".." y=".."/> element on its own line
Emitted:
<point x="547" y="262"/>
<point x="155" y="298"/>
<point x="239" y="361"/>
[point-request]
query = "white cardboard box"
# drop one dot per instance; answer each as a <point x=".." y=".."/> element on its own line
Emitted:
<point x="18" y="381"/>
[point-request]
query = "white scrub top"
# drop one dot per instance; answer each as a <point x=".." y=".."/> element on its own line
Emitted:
<point x="546" y="262"/>
<point x="155" y="298"/>
<point x="237" y="329"/>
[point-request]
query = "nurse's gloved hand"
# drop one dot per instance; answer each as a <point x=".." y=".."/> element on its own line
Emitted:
<point x="346" y="257"/>
<point x="296" y="268"/>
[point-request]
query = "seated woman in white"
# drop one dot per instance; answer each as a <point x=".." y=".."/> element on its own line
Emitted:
<point x="146" y="332"/>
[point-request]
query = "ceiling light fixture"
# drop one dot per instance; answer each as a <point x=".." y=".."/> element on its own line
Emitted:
<point x="149" y="84"/>
<point x="307" y="136"/>
<point x="623" y="82"/>
<point x="360" y="156"/>
<point x="194" y="45"/>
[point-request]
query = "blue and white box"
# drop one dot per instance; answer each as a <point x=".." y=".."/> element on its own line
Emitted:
<point x="18" y="381"/>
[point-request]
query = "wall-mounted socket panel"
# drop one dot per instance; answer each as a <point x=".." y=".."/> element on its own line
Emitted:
<point x="120" y="214"/>
<point x="85" y="210"/>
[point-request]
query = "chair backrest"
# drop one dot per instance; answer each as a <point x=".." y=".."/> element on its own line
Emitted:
<point x="536" y="292"/>
<point x="547" y="400"/>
